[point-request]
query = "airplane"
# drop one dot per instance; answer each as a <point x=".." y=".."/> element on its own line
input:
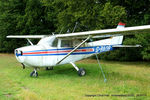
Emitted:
<point x="59" y="49"/>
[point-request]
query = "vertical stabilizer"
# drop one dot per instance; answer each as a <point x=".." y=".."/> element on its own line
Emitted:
<point x="112" y="40"/>
<point x="121" y="25"/>
<point x="119" y="39"/>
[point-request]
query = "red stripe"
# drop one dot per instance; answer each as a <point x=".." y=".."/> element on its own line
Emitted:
<point x="63" y="51"/>
<point x="40" y="52"/>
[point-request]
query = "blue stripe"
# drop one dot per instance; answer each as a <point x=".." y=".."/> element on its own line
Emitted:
<point x="97" y="49"/>
<point x="57" y="49"/>
<point x="58" y="54"/>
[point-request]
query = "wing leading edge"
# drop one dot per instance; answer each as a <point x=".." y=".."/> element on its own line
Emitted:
<point x="26" y="36"/>
<point x="123" y="31"/>
<point x="94" y="34"/>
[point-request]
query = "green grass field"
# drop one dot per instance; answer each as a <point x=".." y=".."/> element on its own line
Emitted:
<point x="129" y="79"/>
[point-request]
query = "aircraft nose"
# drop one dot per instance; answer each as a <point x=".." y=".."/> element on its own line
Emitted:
<point x="19" y="55"/>
<point x="18" y="52"/>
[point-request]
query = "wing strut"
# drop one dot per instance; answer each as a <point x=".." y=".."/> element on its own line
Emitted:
<point x="74" y="49"/>
<point x="29" y="41"/>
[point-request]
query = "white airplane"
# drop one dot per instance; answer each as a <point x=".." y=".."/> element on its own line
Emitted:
<point x="53" y="50"/>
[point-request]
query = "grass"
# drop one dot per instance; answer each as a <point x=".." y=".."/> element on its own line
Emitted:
<point x="63" y="83"/>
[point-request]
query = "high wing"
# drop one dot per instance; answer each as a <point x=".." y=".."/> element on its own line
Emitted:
<point x="26" y="36"/>
<point x="107" y="32"/>
<point x="93" y="34"/>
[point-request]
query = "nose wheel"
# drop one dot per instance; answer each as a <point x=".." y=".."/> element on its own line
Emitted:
<point x="34" y="73"/>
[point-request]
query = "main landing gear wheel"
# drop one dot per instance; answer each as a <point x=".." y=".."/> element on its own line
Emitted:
<point x="81" y="72"/>
<point x="34" y="74"/>
<point x="49" y="68"/>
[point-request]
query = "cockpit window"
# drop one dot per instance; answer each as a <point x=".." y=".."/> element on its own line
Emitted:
<point x="71" y="43"/>
<point x="47" y="41"/>
<point x="55" y="43"/>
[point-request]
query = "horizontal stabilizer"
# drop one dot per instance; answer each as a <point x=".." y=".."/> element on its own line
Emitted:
<point x="125" y="46"/>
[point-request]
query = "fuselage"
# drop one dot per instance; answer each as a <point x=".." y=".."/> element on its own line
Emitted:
<point x="39" y="56"/>
<point x="47" y="53"/>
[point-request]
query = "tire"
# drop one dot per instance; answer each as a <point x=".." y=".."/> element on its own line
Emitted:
<point x="47" y="68"/>
<point x="51" y="68"/>
<point x="34" y="74"/>
<point x="81" y="72"/>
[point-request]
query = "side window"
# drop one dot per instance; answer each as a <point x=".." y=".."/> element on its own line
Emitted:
<point x="55" y="43"/>
<point x="77" y="42"/>
<point x="66" y="43"/>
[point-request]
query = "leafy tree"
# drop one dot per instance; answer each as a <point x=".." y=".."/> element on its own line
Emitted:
<point x="136" y="15"/>
<point x="111" y="15"/>
<point x="9" y="10"/>
<point x="34" y="21"/>
<point x="89" y="14"/>
<point x="23" y="17"/>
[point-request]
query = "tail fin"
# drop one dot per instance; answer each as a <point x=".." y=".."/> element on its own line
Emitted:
<point x="116" y="40"/>
<point x="121" y="25"/>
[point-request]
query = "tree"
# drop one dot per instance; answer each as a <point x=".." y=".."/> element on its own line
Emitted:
<point x="9" y="10"/>
<point x="136" y="15"/>
<point x="34" y="21"/>
<point x="89" y="14"/>
<point x="22" y="17"/>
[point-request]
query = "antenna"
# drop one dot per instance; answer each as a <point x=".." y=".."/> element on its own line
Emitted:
<point x="75" y="27"/>
<point x="68" y="31"/>
<point x="53" y="33"/>
<point x="61" y="30"/>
